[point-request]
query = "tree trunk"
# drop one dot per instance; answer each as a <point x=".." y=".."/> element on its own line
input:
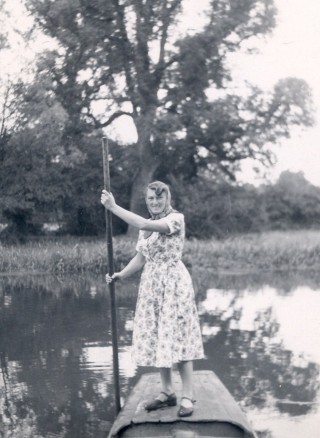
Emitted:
<point x="148" y="165"/>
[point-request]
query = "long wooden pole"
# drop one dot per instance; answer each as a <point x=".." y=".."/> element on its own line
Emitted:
<point x="106" y="179"/>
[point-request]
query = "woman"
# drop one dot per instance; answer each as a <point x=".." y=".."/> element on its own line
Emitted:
<point x="166" y="325"/>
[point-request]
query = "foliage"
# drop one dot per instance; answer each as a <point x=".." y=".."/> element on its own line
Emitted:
<point x="210" y="209"/>
<point x="58" y="180"/>
<point x="218" y="210"/>
<point x="111" y="59"/>
<point x="221" y="210"/>
<point x="82" y="210"/>
<point x="32" y="148"/>
<point x="274" y="250"/>
<point x="3" y="34"/>
<point x="292" y="202"/>
<point x="125" y="59"/>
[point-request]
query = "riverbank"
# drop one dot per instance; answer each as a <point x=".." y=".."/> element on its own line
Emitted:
<point x="276" y="250"/>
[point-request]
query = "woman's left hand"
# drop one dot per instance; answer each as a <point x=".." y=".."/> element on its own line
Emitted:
<point x="107" y="200"/>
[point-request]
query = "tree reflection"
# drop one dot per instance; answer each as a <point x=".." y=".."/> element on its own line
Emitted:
<point x="254" y="364"/>
<point x="56" y="354"/>
<point x="47" y="387"/>
<point x="283" y="282"/>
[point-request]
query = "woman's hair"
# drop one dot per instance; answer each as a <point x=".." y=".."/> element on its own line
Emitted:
<point x="160" y="187"/>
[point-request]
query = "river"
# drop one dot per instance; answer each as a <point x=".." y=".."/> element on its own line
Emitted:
<point x="261" y="336"/>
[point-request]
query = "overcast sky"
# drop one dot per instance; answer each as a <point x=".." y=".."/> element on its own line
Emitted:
<point x="292" y="50"/>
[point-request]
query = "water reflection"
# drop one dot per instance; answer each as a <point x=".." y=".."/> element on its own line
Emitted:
<point x="56" y="358"/>
<point x="269" y="343"/>
<point x="262" y="339"/>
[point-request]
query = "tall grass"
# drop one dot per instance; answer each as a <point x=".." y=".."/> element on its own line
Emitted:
<point x="269" y="251"/>
<point x="275" y="250"/>
<point x="63" y="255"/>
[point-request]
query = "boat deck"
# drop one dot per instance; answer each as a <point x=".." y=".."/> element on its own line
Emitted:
<point x="216" y="414"/>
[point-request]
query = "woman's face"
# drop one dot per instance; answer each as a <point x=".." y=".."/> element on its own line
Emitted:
<point x="156" y="204"/>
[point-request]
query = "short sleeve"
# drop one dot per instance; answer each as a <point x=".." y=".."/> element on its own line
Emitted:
<point x="175" y="222"/>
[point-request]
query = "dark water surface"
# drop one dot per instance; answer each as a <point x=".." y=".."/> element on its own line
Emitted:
<point x="261" y="337"/>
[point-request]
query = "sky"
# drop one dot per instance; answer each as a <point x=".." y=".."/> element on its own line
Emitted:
<point x="293" y="50"/>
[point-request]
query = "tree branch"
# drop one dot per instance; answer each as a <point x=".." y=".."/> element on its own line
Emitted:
<point x="111" y="119"/>
<point x="166" y="15"/>
<point x="126" y="50"/>
<point x="5" y="110"/>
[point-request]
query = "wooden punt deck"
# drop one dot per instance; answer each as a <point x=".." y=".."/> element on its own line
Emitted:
<point x="216" y="414"/>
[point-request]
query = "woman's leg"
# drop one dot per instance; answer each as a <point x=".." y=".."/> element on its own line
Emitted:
<point x="186" y="369"/>
<point x="165" y="398"/>
<point x="166" y="380"/>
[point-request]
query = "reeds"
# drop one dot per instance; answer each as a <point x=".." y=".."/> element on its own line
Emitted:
<point x="276" y="250"/>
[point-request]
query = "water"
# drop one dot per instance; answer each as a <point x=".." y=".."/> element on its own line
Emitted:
<point x="261" y="337"/>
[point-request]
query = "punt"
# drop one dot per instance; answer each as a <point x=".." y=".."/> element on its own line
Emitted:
<point x="216" y="414"/>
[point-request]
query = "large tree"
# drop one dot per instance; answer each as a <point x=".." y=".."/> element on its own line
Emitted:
<point x="44" y="176"/>
<point x="127" y="59"/>
<point x="30" y="175"/>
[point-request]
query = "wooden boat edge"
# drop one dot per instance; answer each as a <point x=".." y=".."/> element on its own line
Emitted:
<point x="128" y="418"/>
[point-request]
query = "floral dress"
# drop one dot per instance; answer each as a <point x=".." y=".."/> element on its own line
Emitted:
<point x="166" y="326"/>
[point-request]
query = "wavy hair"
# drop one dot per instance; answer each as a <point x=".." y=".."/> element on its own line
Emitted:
<point x="159" y="187"/>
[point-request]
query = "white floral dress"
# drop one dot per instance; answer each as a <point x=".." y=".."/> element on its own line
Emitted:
<point x="166" y="325"/>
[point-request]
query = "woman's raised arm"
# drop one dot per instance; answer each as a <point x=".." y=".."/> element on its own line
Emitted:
<point x="108" y="201"/>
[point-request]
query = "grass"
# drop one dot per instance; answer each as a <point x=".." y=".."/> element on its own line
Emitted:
<point x="268" y="251"/>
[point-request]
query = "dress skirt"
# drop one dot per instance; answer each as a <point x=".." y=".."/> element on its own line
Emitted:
<point x="166" y="324"/>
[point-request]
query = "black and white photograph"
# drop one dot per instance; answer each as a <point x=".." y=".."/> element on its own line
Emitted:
<point x="159" y="218"/>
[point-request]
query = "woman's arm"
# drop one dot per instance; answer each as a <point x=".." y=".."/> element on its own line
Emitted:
<point x="133" y="219"/>
<point x="132" y="267"/>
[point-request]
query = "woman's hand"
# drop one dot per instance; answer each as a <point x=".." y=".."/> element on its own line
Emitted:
<point x="107" y="200"/>
<point x="114" y="277"/>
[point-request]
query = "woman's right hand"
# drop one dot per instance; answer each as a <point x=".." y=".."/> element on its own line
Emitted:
<point x="107" y="200"/>
<point x="114" y="277"/>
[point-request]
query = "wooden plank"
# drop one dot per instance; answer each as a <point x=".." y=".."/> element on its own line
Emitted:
<point x="214" y="405"/>
<point x="182" y="430"/>
<point x="227" y="408"/>
<point x="135" y="403"/>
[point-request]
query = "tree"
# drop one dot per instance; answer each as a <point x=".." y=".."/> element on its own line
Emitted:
<point x="125" y="57"/>
<point x="114" y="58"/>
<point x="232" y="128"/>
<point x="292" y="202"/>
<point x="56" y="181"/>
<point x="3" y="34"/>
<point x="30" y="171"/>
<point x="5" y="88"/>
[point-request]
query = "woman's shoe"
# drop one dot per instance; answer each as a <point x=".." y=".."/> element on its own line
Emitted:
<point x="186" y="411"/>
<point x="171" y="400"/>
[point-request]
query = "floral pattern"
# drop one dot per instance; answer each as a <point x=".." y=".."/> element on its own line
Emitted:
<point x="166" y="325"/>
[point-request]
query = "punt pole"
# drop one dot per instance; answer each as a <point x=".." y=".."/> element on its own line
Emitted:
<point x="108" y="216"/>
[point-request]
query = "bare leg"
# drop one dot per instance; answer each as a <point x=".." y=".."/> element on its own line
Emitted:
<point x="166" y="380"/>
<point x="165" y="398"/>
<point x="186" y="369"/>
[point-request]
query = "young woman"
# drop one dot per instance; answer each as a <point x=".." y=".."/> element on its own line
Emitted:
<point x="166" y="325"/>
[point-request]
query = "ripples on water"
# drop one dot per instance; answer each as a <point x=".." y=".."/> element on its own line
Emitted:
<point x="261" y="337"/>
